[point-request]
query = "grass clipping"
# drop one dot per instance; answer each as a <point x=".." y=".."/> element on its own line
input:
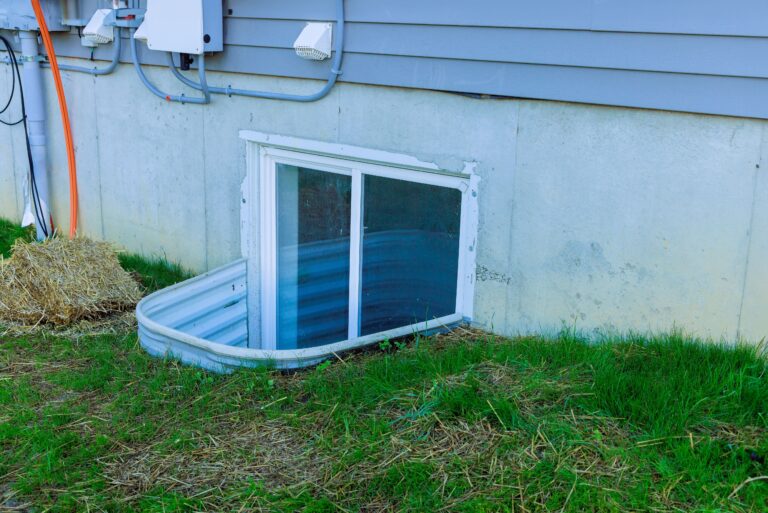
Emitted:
<point x="59" y="282"/>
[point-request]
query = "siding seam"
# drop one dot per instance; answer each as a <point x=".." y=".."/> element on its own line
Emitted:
<point x="524" y="62"/>
<point x="205" y="192"/>
<point x="755" y="179"/>
<point x="98" y="158"/>
<point x="512" y="227"/>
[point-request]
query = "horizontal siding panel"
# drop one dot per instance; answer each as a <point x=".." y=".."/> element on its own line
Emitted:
<point x="711" y="55"/>
<point x="713" y="17"/>
<point x="679" y="55"/>
<point x="718" y="17"/>
<point x="734" y="96"/>
<point x="746" y="97"/>
<point x="273" y="61"/>
<point x="708" y="55"/>
<point x="510" y="13"/>
<point x="690" y="93"/>
<point x="68" y="45"/>
<point x="241" y="59"/>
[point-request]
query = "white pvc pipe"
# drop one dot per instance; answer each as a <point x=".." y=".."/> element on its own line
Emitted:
<point x="34" y="102"/>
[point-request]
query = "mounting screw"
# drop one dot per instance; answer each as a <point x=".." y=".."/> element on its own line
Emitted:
<point x="206" y="38"/>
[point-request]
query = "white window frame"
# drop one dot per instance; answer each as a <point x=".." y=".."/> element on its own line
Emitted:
<point x="259" y="226"/>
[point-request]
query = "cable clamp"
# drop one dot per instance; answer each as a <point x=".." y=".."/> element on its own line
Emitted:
<point x="30" y="58"/>
<point x="336" y="71"/>
<point x="228" y="90"/>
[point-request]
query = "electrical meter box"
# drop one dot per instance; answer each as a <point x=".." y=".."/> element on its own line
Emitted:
<point x="18" y="15"/>
<point x="183" y="26"/>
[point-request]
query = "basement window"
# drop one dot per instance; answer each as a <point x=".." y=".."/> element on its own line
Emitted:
<point x="349" y="244"/>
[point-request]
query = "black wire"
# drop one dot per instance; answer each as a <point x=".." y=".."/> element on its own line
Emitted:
<point x="13" y="87"/>
<point x="6" y="123"/>
<point x="36" y="202"/>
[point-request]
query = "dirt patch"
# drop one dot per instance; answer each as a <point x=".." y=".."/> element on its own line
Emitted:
<point x="269" y="451"/>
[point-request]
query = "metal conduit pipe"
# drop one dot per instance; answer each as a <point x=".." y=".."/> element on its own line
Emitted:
<point x="34" y="104"/>
<point x="168" y="97"/>
<point x="116" y="47"/>
<point x="334" y="75"/>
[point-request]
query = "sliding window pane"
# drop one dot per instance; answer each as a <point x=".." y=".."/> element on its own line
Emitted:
<point x="410" y="255"/>
<point x="313" y="209"/>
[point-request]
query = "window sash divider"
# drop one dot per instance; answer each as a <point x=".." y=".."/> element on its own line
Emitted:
<point x="268" y="208"/>
<point x="355" y="255"/>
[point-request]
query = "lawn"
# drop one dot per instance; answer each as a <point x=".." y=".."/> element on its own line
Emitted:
<point x="467" y="422"/>
<point x="9" y="232"/>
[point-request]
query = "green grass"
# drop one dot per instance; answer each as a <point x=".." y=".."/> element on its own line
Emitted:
<point x="155" y="273"/>
<point x="9" y="232"/>
<point x="467" y="423"/>
<point x="472" y="424"/>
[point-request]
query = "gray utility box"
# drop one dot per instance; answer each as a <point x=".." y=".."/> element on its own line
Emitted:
<point x="213" y="26"/>
<point x="18" y="15"/>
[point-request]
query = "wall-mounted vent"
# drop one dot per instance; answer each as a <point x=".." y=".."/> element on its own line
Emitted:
<point x="96" y="31"/>
<point x="314" y="42"/>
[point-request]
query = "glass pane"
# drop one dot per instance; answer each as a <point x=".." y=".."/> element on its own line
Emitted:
<point x="410" y="253"/>
<point x="313" y="209"/>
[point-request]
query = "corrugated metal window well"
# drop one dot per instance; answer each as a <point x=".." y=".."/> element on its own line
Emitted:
<point x="343" y="247"/>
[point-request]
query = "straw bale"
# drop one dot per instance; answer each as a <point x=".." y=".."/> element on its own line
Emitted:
<point x="59" y="282"/>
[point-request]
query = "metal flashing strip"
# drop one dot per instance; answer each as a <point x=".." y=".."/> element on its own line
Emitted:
<point x="351" y="153"/>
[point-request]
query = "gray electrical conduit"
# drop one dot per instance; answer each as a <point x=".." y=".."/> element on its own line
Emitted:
<point x="116" y="47"/>
<point x="229" y="91"/>
<point x="172" y="97"/>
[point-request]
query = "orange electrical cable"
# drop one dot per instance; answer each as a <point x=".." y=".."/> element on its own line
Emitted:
<point x="64" y="116"/>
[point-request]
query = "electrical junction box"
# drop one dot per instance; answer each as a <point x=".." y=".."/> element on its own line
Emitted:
<point x="18" y="15"/>
<point x="183" y="26"/>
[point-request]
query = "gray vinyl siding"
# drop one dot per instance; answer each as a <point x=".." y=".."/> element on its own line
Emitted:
<point x="708" y="56"/>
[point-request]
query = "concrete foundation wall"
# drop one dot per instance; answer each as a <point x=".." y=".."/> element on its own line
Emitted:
<point x="591" y="217"/>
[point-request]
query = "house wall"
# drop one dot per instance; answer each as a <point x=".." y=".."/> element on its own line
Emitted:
<point x="596" y="217"/>
<point x="706" y="56"/>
